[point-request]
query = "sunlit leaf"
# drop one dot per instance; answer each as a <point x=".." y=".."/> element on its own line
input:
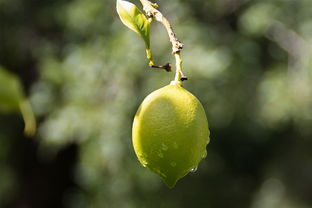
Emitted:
<point x="133" y="18"/>
<point x="10" y="91"/>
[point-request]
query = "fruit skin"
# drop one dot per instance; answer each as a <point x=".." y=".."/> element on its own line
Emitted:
<point x="170" y="133"/>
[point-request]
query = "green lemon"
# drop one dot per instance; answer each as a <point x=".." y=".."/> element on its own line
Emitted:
<point x="170" y="133"/>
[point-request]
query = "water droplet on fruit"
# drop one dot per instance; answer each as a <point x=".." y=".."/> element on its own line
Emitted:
<point x="160" y="173"/>
<point x="161" y="155"/>
<point x="142" y="155"/>
<point x="144" y="163"/>
<point x="193" y="170"/>
<point x="164" y="147"/>
<point x="173" y="164"/>
<point x="208" y="141"/>
<point x="175" y="145"/>
<point x="204" y="155"/>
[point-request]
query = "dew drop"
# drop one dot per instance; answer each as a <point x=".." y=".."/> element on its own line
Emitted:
<point x="175" y="145"/>
<point x="208" y="141"/>
<point x="204" y="155"/>
<point x="173" y="164"/>
<point x="160" y="173"/>
<point x="164" y="147"/>
<point x="142" y="155"/>
<point x="161" y="155"/>
<point x="144" y="163"/>
<point x="193" y="170"/>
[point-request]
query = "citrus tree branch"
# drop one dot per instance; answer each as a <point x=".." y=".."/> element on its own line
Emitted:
<point x="152" y="11"/>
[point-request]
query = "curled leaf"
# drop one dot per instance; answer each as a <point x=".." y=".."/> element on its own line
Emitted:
<point x="133" y="18"/>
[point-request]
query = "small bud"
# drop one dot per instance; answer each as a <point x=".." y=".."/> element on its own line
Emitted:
<point x="183" y="78"/>
<point x="167" y="67"/>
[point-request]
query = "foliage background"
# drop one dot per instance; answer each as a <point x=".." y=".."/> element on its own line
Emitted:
<point x="248" y="61"/>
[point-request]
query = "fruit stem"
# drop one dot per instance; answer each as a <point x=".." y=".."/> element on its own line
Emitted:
<point x="152" y="12"/>
<point x="177" y="77"/>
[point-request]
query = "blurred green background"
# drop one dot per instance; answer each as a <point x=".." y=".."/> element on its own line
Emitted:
<point x="85" y="73"/>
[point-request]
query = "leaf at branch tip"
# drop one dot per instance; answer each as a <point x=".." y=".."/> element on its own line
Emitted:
<point x="133" y="18"/>
<point x="12" y="99"/>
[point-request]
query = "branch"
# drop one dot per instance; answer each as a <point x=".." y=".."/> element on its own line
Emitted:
<point x="151" y="11"/>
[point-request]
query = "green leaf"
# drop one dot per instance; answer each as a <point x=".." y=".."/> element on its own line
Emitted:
<point x="10" y="92"/>
<point x="133" y="18"/>
<point x="12" y="99"/>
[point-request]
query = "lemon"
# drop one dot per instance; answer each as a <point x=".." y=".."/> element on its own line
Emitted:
<point x="170" y="133"/>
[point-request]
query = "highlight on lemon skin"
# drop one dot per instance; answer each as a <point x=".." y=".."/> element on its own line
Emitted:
<point x="170" y="133"/>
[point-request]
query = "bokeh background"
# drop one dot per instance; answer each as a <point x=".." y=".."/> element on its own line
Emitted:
<point x="85" y="74"/>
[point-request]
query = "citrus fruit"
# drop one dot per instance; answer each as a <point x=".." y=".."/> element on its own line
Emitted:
<point x="170" y="133"/>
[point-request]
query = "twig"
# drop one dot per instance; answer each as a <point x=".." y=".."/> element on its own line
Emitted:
<point x="166" y="67"/>
<point x="151" y="11"/>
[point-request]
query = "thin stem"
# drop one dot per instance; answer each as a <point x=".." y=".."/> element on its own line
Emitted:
<point x="177" y="77"/>
<point x="29" y="118"/>
<point x="151" y="11"/>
